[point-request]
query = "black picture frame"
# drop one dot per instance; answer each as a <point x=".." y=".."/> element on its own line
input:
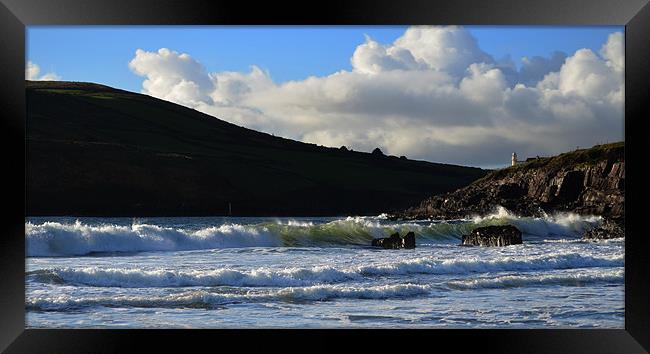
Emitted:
<point x="16" y="14"/>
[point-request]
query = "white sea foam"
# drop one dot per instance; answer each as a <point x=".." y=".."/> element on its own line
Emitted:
<point x="58" y="239"/>
<point x="203" y="298"/>
<point x="574" y="278"/>
<point x="476" y="264"/>
<point x="297" y="223"/>
<point x="113" y="277"/>
<point x="325" y="292"/>
<point x="559" y="224"/>
<point x="301" y="276"/>
<point x="73" y="239"/>
<point x="321" y="292"/>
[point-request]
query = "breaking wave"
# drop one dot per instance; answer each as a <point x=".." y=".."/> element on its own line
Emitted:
<point x="133" y="278"/>
<point x="268" y="277"/>
<point x="58" y="239"/>
<point x="74" y="239"/>
<point x="206" y="299"/>
<point x="210" y="298"/>
<point x="511" y="281"/>
<point x="559" y="224"/>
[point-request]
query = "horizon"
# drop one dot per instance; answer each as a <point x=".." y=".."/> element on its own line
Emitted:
<point x="444" y="94"/>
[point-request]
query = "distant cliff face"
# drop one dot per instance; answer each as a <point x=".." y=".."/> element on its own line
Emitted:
<point x="590" y="181"/>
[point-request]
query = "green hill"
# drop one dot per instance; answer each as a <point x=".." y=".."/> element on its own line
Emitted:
<point x="95" y="150"/>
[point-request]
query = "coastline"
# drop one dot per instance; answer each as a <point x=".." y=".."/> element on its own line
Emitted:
<point x="584" y="182"/>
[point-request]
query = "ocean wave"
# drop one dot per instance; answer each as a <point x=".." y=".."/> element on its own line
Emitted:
<point x="59" y="239"/>
<point x="558" y="224"/>
<point x="267" y="277"/>
<point x="212" y="298"/>
<point x="135" y="278"/>
<point x="478" y="264"/>
<point x="75" y="239"/>
<point x="509" y="281"/>
<point x="206" y="299"/>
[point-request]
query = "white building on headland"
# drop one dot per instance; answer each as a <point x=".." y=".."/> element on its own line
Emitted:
<point x="515" y="161"/>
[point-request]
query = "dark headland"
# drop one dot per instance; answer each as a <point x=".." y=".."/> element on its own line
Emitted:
<point x="96" y="150"/>
<point x="585" y="181"/>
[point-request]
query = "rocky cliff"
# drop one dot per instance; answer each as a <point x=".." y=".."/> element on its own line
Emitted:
<point x="587" y="181"/>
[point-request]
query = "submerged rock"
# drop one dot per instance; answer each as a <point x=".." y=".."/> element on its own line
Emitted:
<point x="607" y="230"/>
<point x="395" y="241"/>
<point x="493" y="236"/>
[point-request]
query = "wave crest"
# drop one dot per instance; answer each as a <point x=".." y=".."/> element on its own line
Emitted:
<point x="511" y="281"/>
<point x="59" y="239"/>
<point x="267" y="277"/>
<point x="74" y="239"/>
<point x="206" y="299"/>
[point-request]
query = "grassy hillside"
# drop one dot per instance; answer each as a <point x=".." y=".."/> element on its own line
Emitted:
<point x="95" y="150"/>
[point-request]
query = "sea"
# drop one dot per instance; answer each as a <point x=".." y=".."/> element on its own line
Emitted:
<point x="250" y="272"/>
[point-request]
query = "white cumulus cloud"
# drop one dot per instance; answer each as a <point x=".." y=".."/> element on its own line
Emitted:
<point x="32" y="72"/>
<point x="172" y="76"/>
<point x="431" y="94"/>
<point x="372" y="57"/>
<point x="443" y="48"/>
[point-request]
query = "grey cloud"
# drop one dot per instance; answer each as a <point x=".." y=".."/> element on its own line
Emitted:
<point x="534" y="69"/>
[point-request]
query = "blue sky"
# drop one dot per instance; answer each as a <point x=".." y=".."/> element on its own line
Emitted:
<point x="460" y="95"/>
<point x="101" y="54"/>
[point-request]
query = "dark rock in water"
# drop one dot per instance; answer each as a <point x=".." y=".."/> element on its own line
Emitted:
<point x="607" y="230"/>
<point x="395" y="241"/>
<point x="493" y="236"/>
<point x="409" y="240"/>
